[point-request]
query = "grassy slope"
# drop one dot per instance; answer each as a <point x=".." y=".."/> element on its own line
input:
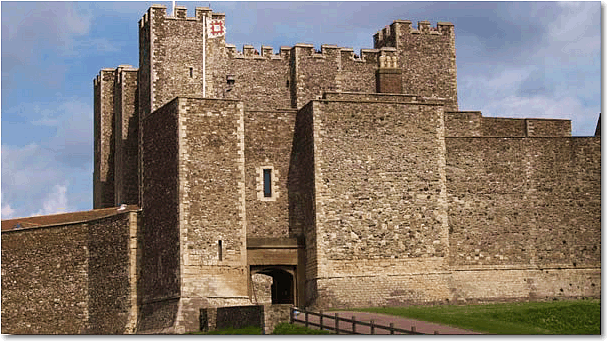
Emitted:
<point x="560" y="317"/>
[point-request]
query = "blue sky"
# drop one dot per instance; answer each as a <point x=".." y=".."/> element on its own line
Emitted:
<point x="514" y="59"/>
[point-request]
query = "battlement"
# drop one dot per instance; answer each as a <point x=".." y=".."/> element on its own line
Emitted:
<point x="181" y="13"/>
<point x="388" y="35"/>
<point x="120" y="68"/>
<point x="309" y="50"/>
<point x="249" y="52"/>
<point x="99" y="76"/>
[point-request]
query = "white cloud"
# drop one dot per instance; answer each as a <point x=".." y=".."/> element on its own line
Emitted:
<point x="498" y="85"/>
<point x="34" y="181"/>
<point x="499" y="96"/>
<point x="576" y="31"/>
<point x="28" y="27"/>
<point x="534" y="107"/>
<point x="7" y="211"/>
<point x="35" y="35"/>
<point x="69" y="123"/>
<point x="55" y="202"/>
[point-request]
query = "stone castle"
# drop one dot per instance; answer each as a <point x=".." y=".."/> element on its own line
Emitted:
<point x="315" y="178"/>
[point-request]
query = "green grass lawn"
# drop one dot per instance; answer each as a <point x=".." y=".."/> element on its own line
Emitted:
<point x="231" y="331"/>
<point x="558" y="317"/>
<point x="292" y="329"/>
<point x="280" y="329"/>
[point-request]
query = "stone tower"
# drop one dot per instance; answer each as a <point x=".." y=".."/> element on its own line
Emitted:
<point x="340" y="177"/>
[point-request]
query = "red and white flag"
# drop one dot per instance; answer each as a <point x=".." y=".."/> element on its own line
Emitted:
<point x="216" y="28"/>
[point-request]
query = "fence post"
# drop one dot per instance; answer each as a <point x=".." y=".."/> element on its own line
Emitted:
<point x="354" y="325"/>
<point x="321" y="319"/>
<point x="337" y="325"/>
<point x="392" y="328"/>
<point x="306" y="319"/>
<point x="372" y="327"/>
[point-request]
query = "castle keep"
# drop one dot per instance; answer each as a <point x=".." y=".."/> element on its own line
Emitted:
<point x="314" y="178"/>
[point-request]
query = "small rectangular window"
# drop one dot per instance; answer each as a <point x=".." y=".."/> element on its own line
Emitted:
<point x="267" y="183"/>
<point x="219" y="249"/>
<point x="191" y="72"/>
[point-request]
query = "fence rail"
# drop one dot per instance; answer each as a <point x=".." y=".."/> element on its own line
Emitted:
<point x="293" y="312"/>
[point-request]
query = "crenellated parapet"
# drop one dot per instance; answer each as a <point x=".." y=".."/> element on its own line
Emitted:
<point x="249" y="52"/>
<point x="389" y="35"/>
<point x="181" y="13"/>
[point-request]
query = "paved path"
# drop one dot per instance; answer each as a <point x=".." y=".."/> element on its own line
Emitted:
<point x="386" y="320"/>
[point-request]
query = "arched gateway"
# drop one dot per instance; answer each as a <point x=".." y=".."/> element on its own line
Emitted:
<point x="282" y="260"/>
<point x="283" y="287"/>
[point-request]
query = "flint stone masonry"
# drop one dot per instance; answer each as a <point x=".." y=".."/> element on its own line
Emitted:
<point x="160" y="271"/>
<point x="126" y="135"/>
<point x="261" y="287"/>
<point x="473" y="124"/>
<point x="268" y="138"/>
<point x="262" y="316"/>
<point x="495" y="217"/>
<point x="104" y="136"/>
<point x="70" y="278"/>
<point x="427" y="57"/>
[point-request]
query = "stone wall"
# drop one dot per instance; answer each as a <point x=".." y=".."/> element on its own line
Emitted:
<point x="275" y="314"/>
<point x="473" y="124"/>
<point x="503" y="127"/>
<point x="463" y="124"/>
<point x="126" y="130"/>
<point x="389" y="81"/>
<point x="548" y="128"/>
<point x="238" y="317"/>
<point x="426" y="56"/>
<point x="301" y="186"/>
<point x="70" y="278"/>
<point x="45" y="280"/>
<point x="160" y="238"/>
<point x="383" y="290"/>
<point x="176" y="46"/>
<point x="533" y="203"/>
<point x="498" y="284"/>
<point x="261" y="287"/>
<point x="268" y="138"/>
<point x="212" y="220"/>
<point x="144" y="93"/>
<point x="109" y="275"/>
<point x="262" y="316"/>
<point x="261" y="81"/>
<point x="96" y="142"/>
<point x="378" y="180"/>
<point x="315" y="72"/>
<point x="103" y="182"/>
<point x="357" y="75"/>
<point x="379" y="190"/>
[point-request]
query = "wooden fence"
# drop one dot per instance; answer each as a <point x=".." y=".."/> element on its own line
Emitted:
<point x="336" y="323"/>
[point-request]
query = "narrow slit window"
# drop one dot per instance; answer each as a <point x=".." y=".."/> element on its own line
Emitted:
<point x="219" y="249"/>
<point x="267" y="183"/>
<point x="191" y="72"/>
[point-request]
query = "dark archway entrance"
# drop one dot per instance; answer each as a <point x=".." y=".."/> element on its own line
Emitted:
<point x="283" y="284"/>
